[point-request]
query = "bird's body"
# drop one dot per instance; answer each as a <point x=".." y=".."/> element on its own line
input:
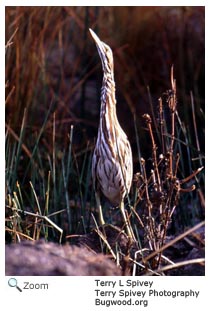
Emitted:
<point x="112" y="166"/>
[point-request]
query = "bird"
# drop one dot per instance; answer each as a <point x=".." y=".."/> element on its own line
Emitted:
<point x="112" y="164"/>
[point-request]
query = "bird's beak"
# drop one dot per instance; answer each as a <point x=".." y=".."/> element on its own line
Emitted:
<point x="98" y="42"/>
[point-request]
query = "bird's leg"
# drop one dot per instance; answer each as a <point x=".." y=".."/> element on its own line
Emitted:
<point x="128" y="229"/>
<point x="98" y="203"/>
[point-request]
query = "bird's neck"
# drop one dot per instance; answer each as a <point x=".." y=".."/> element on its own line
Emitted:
<point x="108" y="116"/>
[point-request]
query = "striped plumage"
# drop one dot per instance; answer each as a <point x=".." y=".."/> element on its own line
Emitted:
<point x="112" y="166"/>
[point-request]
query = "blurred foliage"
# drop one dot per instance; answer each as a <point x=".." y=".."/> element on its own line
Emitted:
<point x="52" y="58"/>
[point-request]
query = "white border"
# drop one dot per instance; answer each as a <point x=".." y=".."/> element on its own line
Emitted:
<point x="78" y="292"/>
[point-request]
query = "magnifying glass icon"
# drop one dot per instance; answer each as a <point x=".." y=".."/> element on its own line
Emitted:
<point x="12" y="282"/>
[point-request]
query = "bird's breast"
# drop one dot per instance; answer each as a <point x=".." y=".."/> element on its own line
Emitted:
<point x="114" y="172"/>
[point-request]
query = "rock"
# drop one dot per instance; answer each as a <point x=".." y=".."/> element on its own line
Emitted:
<point x="40" y="258"/>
